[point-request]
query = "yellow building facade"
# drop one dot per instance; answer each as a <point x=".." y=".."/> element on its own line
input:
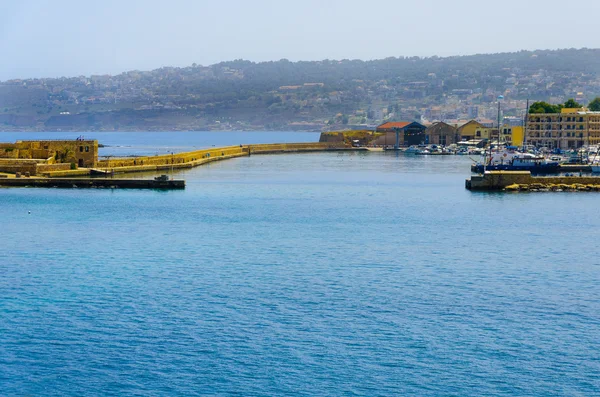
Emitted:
<point x="475" y="131"/>
<point x="513" y="135"/>
<point x="569" y="129"/>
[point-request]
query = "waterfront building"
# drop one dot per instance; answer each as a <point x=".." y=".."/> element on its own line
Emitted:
<point x="80" y="152"/>
<point x="411" y="133"/>
<point x="570" y="129"/>
<point x="512" y="134"/>
<point x="474" y="130"/>
<point x="441" y="133"/>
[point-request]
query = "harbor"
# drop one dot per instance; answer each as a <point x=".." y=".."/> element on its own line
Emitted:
<point x="253" y="228"/>
<point x="299" y="198"/>
<point x="77" y="164"/>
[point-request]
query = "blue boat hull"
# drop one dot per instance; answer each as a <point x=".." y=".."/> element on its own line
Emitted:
<point x="551" y="168"/>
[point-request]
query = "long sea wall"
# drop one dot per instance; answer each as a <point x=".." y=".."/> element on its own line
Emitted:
<point x="195" y="158"/>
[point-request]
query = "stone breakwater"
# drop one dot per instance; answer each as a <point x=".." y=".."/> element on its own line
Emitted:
<point x="516" y="181"/>
<point x="195" y="158"/>
<point x="551" y="187"/>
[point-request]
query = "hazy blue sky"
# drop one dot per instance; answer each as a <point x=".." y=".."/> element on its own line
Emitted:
<point x="45" y="38"/>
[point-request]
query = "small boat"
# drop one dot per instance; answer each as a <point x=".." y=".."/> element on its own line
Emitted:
<point x="412" y="150"/>
<point x="161" y="178"/>
<point x="576" y="160"/>
<point x="476" y="151"/>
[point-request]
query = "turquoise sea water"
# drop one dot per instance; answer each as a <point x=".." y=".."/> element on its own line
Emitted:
<point x="307" y="274"/>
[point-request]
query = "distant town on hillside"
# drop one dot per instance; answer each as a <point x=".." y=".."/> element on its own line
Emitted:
<point x="308" y="96"/>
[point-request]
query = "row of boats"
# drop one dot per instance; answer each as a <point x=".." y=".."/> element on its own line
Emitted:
<point x="510" y="158"/>
<point x="444" y="150"/>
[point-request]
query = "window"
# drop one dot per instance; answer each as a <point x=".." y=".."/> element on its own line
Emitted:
<point x="87" y="149"/>
<point x="81" y="148"/>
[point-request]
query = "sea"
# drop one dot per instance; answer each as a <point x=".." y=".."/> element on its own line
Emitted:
<point x="315" y="274"/>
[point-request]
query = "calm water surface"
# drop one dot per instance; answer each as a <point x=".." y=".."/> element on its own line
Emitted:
<point x="308" y="274"/>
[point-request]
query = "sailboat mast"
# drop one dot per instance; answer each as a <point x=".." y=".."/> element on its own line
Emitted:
<point x="498" y="142"/>
<point x="525" y="124"/>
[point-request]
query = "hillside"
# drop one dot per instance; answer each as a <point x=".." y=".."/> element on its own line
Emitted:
<point x="242" y="95"/>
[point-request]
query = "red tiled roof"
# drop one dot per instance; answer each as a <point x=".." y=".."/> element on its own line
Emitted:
<point x="400" y="124"/>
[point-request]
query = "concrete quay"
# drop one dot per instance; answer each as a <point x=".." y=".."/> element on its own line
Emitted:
<point x="524" y="181"/>
<point x="93" y="183"/>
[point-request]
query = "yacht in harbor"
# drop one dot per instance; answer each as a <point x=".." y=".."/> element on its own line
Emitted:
<point x="512" y="160"/>
<point x="413" y="150"/>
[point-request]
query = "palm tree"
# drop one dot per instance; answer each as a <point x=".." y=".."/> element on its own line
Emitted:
<point x="65" y="155"/>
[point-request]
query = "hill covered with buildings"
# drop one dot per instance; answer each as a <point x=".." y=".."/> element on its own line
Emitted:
<point x="283" y="95"/>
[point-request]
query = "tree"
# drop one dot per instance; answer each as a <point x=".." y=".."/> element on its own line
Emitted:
<point x="595" y="105"/>
<point x="65" y="155"/>
<point x="571" y="104"/>
<point x="544" y="107"/>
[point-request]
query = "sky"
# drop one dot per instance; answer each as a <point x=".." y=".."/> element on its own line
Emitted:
<point x="53" y="38"/>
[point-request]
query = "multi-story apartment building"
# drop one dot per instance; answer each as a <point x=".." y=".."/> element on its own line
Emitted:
<point x="569" y="129"/>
